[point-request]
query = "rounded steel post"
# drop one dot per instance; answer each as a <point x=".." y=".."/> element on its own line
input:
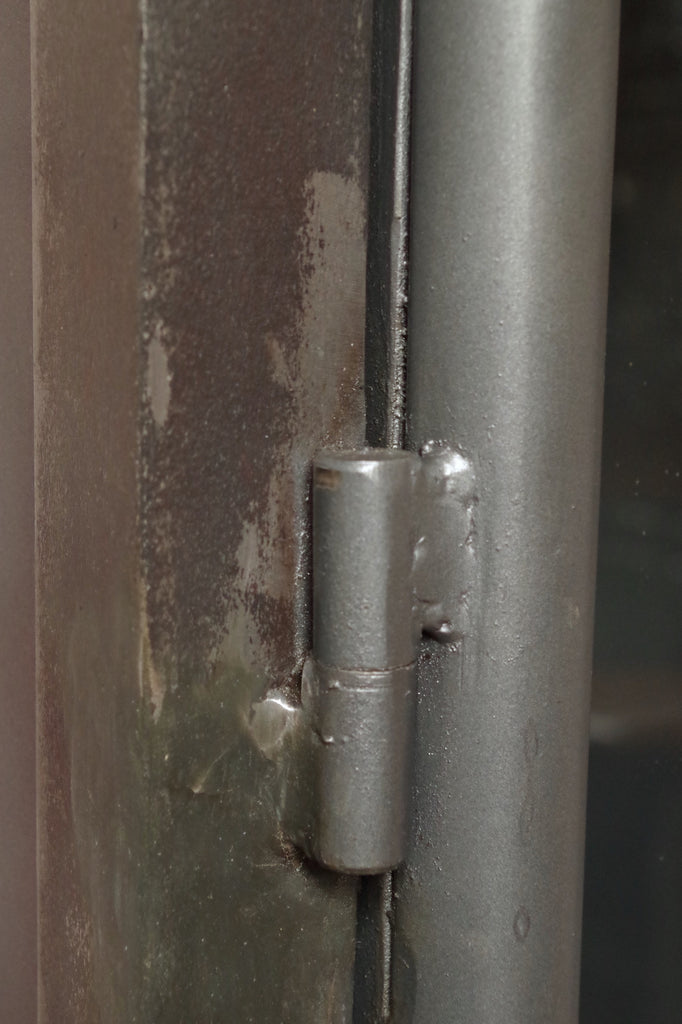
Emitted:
<point x="510" y="209"/>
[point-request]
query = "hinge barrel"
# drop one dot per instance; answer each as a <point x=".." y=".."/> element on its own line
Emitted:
<point x="365" y="636"/>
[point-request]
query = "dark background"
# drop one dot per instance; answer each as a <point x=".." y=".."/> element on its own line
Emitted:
<point x="632" y="934"/>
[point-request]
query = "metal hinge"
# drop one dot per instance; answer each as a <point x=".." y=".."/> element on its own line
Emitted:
<point x="392" y="559"/>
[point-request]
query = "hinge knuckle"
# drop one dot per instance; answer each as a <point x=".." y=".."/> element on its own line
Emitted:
<point x="364" y="726"/>
<point x="362" y="559"/>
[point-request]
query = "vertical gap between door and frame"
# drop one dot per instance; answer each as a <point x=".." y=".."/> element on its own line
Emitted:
<point x="385" y="372"/>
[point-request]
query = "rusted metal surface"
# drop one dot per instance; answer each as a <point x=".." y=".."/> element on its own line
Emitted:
<point x="201" y="190"/>
<point x="17" y="721"/>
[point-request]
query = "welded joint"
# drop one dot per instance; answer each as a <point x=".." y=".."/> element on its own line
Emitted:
<point x="393" y="556"/>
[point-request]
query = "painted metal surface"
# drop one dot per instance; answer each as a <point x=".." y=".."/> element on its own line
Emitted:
<point x="513" y="111"/>
<point x="17" y="689"/>
<point x="201" y="185"/>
